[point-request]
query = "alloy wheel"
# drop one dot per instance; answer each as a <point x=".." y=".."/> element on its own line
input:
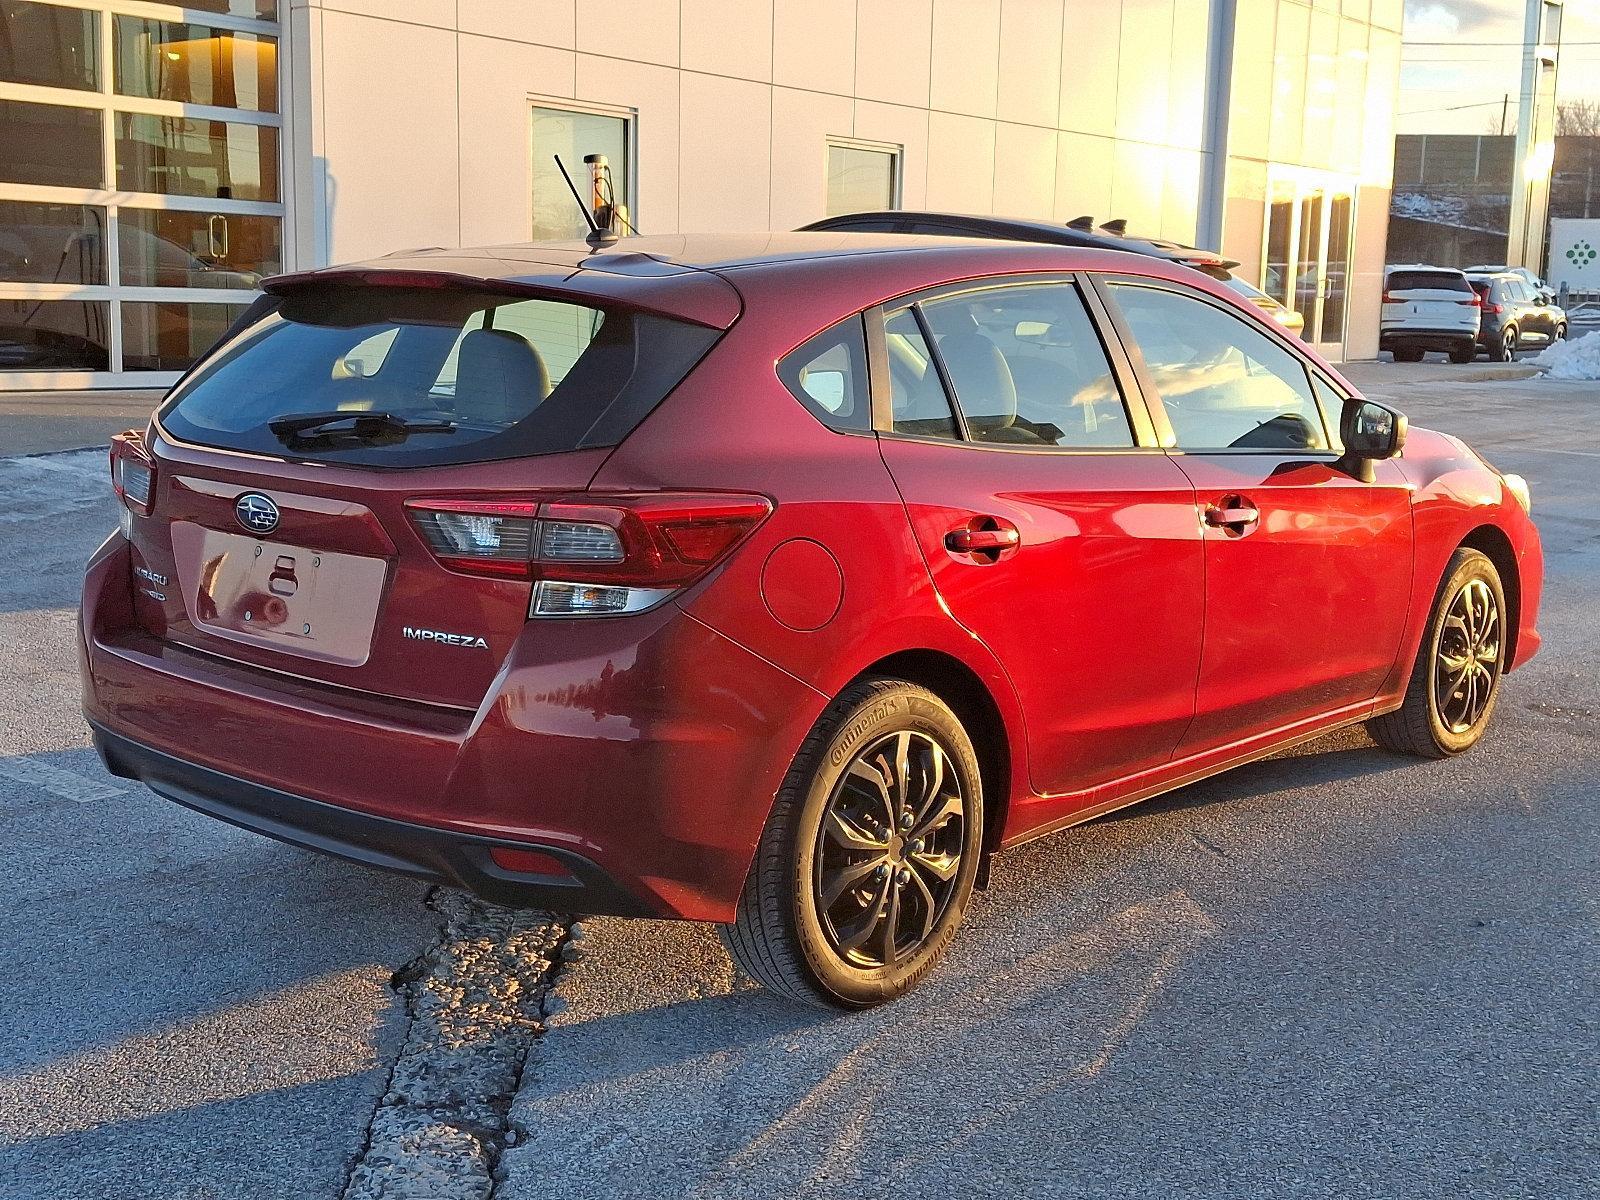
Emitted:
<point x="889" y="850"/>
<point x="1467" y="663"/>
<point x="1508" y="341"/>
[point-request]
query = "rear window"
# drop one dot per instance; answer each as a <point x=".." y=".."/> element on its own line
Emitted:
<point x="1434" y="281"/>
<point x="410" y="378"/>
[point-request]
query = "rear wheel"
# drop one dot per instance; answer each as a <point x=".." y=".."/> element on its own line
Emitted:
<point x="1504" y="349"/>
<point x="866" y="865"/>
<point x="1408" y="354"/>
<point x="1456" y="680"/>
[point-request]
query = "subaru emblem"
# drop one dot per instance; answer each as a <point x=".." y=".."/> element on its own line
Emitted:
<point x="256" y="512"/>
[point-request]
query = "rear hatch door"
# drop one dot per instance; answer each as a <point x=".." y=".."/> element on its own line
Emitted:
<point x="345" y="492"/>
<point x="1424" y="299"/>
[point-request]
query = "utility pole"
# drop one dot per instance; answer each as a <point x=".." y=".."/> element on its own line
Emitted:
<point x="1505" y="103"/>
<point x="1535" y="149"/>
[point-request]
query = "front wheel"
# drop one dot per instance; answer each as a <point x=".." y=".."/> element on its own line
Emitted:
<point x="1560" y="334"/>
<point x="866" y="865"/>
<point x="1456" y="680"/>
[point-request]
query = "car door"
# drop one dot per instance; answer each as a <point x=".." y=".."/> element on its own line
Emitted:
<point x="1308" y="568"/>
<point x="1056" y="531"/>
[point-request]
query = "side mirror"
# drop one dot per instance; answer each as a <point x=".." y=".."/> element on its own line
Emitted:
<point x="1370" y="432"/>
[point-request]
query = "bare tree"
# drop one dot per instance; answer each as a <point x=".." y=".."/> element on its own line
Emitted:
<point x="1578" y="118"/>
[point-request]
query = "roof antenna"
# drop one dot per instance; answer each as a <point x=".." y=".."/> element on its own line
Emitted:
<point x="597" y="237"/>
<point x="1085" y="223"/>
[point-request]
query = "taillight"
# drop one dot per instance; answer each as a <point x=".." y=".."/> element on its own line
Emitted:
<point x="1475" y="302"/>
<point x="599" y="555"/>
<point x="133" y="472"/>
<point x="1493" y="310"/>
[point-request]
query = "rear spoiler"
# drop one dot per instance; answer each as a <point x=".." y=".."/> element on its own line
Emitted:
<point x="684" y="294"/>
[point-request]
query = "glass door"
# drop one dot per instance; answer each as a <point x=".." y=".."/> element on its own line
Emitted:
<point x="1306" y="259"/>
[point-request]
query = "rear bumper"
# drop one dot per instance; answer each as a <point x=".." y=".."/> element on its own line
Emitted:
<point x="441" y="856"/>
<point x="1426" y="339"/>
<point x="643" y="752"/>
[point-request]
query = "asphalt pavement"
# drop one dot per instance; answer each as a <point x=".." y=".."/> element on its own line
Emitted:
<point x="1335" y="973"/>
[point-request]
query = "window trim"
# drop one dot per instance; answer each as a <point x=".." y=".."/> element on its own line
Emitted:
<point x="871" y="377"/>
<point x="1134" y="403"/>
<point x="1103" y="282"/>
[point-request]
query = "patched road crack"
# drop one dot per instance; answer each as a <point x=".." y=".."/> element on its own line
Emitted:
<point x="475" y="1005"/>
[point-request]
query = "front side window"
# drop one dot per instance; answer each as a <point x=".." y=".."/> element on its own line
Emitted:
<point x="1223" y="384"/>
<point x="828" y="374"/>
<point x="1028" y="368"/>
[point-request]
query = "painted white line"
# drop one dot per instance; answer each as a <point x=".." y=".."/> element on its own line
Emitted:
<point x="69" y="785"/>
<point x="1551" y="450"/>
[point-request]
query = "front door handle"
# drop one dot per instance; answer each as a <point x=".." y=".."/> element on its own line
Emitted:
<point x="1234" y="514"/>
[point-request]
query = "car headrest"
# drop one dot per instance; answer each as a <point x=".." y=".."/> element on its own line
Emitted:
<point x="982" y="381"/>
<point x="500" y="377"/>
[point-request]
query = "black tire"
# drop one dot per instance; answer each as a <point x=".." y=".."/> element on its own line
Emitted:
<point x="1438" y="718"/>
<point x="1504" y="348"/>
<point x="1560" y="334"/>
<point x="1408" y="354"/>
<point x="1463" y="354"/>
<point x="788" y="936"/>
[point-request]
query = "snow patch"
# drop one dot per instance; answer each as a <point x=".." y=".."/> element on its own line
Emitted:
<point x="1575" y="358"/>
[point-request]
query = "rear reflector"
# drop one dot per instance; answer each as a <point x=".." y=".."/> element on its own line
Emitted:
<point x="528" y="862"/>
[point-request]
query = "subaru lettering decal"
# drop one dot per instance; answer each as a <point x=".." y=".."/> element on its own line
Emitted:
<point x="256" y="512"/>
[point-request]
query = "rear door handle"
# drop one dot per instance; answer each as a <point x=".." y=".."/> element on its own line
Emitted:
<point x="966" y="541"/>
<point x="1234" y="514"/>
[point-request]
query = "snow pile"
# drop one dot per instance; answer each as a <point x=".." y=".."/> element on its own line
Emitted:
<point x="1575" y="358"/>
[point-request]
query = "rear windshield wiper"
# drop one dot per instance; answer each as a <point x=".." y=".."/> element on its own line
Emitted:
<point x="365" y="427"/>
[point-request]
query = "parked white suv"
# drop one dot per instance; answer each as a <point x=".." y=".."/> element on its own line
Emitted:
<point x="1429" y="308"/>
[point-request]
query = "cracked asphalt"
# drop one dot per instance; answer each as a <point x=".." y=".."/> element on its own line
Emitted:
<point x="1336" y="972"/>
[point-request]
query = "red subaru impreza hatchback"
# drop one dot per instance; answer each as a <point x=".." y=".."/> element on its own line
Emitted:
<point x="774" y="582"/>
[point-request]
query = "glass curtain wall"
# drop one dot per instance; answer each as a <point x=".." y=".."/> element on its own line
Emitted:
<point x="140" y="201"/>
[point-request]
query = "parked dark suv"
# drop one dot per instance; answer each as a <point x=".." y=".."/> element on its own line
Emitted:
<point x="1515" y="315"/>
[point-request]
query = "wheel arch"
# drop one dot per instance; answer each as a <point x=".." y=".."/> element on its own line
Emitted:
<point x="1492" y="542"/>
<point x="959" y="686"/>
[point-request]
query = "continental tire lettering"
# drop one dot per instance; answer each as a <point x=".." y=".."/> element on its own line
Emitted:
<point x="857" y="729"/>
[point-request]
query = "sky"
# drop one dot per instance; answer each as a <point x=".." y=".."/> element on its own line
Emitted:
<point x="1463" y="57"/>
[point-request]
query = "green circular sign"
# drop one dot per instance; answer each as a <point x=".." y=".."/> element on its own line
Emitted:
<point x="1581" y="254"/>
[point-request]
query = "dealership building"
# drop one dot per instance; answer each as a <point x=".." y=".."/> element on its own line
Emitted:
<point x="157" y="160"/>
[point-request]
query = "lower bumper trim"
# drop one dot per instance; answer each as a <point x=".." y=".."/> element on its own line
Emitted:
<point x="439" y="855"/>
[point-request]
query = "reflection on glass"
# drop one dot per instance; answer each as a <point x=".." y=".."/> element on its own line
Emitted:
<point x="573" y="135"/>
<point x="167" y="248"/>
<point x="266" y="10"/>
<point x="1308" y="262"/>
<point x="195" y="64"/>
<point x="1338" y="268"/>
<point x="55" y="335"/>
<point x="47" y="45"/>
<point x="183" y="156"/>
<point x="52" y="243"/>
<point x="859" y="180"/>
<point x="49" y="144"/>
<point x="169" y="337"/>
<point x="1275" y="279"/>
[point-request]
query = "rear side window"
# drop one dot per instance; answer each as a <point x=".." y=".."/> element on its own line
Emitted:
<point x="428" y="377"/>
<point x="1432" y="281"/>
<point x="1224" y="384"/>
<point x="1028" y="368"/>
<point x="828" y="374"/>
<point x="918" y="404"/>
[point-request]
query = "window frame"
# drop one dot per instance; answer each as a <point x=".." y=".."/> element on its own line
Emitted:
<point x="629" y="116"/>
<point x="1140" y="418"/>
<point x="1104" y="282"/>
<point x="106" y="102"/>
<point x="895" y="152"/>
<point x="810" y="404"/>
